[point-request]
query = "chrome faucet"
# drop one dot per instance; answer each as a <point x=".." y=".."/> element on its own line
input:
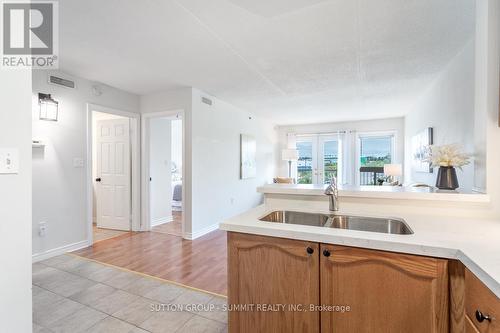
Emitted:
<point x="333" y="192"/>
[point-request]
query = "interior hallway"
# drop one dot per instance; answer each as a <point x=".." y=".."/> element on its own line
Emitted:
<point x="171" y="228"/>
<point x="201" y="263"/>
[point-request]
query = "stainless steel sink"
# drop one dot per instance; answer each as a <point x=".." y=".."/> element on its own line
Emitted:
<point x="361" y="223"/>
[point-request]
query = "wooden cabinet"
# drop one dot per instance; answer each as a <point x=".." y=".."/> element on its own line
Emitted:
<point x="274" y="281"/>
<point x="270" y="272"/>
<point x="386" y="292"/>
<point x="479" y="298"/>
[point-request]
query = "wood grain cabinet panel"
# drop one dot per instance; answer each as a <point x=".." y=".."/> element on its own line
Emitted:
<point x="386" y="292"/>
<point x="469" y="326"/>
<point x="479" y="298"/>
<point x="272" y="271"/>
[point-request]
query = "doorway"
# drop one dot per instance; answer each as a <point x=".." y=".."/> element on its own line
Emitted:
<point x="113" y="175"/>
<point x="164" y="172"/>
<point x="319" y="158"/>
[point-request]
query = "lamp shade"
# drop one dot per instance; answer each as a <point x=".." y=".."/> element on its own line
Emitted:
<point x="393" y="169"/>
<point x="289" y="154"/>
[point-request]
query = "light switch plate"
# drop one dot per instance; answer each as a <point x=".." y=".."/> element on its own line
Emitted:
<point x="9" y="161"/>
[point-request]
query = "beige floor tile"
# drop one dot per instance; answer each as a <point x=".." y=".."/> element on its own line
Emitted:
<point x="93" y="294"/>
<point x="112" y="325"/>
<point x="215" y="310"/>
<point x="49" y="314"/>
<point x="72" y="285"/>
<point x="78" y="321"/>
<point x="166" y="322"/>
<point x="121" y="279"/>
<point x="44" y="298"/>
<point x="87" y="268"/>
<point x="71" y="265"/>
<point x="136" y="312"/>
<point x="103" y="274"/>
<point x="142" y="286"/>
<point x="40" y="329"/>
<point x="56" y="260"/>
<point x="198" y="324"/>
<point x="36" y="267"/>
<point x="165" y="293"/>
<point x="114" y="302"/>
<point x="192" y="297"/>
<point x="48" y="275"/>
<point x="35" y="291"/>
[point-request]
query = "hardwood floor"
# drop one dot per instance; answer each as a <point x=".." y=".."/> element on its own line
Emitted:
<point x="201" y="263"/>
<point x="101" y="234"/>
<point x="171" y="228"/>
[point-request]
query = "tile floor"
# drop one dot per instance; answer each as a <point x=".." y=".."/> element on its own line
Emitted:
<point x="71" y="294"/>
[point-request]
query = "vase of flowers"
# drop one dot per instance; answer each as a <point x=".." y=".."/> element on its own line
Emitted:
<point x="447" y="158"/>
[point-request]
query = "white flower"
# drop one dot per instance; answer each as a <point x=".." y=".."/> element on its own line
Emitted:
<point x="448" y="155"/>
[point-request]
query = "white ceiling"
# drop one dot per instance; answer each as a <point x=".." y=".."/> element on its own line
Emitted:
<point x="290" y="60"/>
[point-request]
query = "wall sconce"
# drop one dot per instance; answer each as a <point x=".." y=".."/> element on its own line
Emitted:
<point x="48" y="107"/>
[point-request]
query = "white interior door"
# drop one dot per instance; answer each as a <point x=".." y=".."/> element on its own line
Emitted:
<point x="113" y="174"/>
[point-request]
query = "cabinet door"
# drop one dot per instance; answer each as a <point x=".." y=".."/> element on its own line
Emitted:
<point x="272" y="272"/>
<point x="479" y="298"/>
<point x="386" y="292"/>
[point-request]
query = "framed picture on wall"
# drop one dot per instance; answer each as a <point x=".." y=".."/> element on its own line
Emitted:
<point x="248" y="156"/>
<point x="420" y="150"/>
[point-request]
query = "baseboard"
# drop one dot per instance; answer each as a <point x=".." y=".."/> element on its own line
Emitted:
<point x="161" y="220"/>
<point x="59" y="250"/>
<point x="199" y="233"/>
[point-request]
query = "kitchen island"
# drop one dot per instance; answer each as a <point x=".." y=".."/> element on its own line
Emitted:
<point x="420" y="278"/>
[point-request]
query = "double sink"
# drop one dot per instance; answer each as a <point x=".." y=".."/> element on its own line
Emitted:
<point x="360" y="223"/>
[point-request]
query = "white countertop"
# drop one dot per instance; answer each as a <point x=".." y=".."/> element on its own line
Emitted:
<point x="475" y="242"/>
<point x="378" y="192"/>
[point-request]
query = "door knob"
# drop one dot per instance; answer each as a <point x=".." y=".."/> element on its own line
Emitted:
<point x="98" y="179"/>
<point x="310" y="250"/>
<point x="482" y="317"/>
<point x="326" y="253"/>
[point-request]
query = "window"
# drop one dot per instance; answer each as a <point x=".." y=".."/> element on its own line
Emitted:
<point x="375" y="150"/>
<point x="319" y="158"/>
<point x="330" y="152"/>
<point x="304" y="164"/>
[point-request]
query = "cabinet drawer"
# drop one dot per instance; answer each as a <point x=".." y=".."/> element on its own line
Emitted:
<point x="479" y="298"/>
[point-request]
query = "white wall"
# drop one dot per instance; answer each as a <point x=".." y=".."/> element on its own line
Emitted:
<point x="487" y="88"/>
<point x="160" y="164"/>
<point x="448" y="107"/>
<point x="352" y="127"/>
<point x="217" y="191"/>
<point x="59" y="197"/>
<point x="211" y="184"/>
<point x="15" y="207"/>
<point x="180" y="99"/>
<point x="177" y="144"/>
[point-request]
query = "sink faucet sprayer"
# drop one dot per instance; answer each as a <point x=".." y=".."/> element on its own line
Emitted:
<point x="333" y="192"/>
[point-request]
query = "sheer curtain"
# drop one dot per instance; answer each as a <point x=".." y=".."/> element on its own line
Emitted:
<point x="291" y="144"/>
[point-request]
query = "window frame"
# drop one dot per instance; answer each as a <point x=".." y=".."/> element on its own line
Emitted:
<point x="317" y="141"/>
<point x="373" y="134"/>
